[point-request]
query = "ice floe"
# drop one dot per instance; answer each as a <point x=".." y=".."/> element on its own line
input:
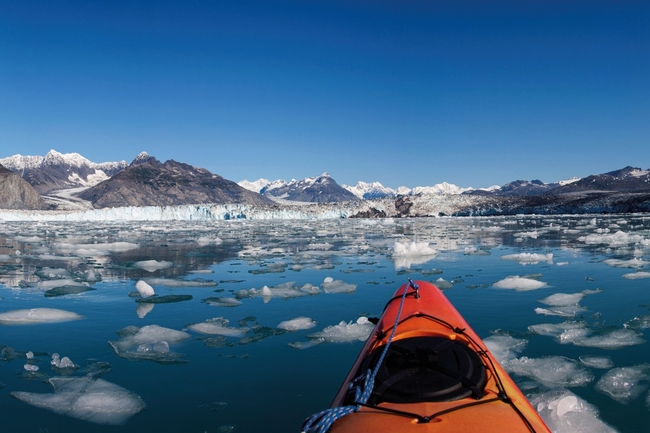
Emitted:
<point x="625" y="384"/>
<point x="551" y="371"/>
<point x="144" y="289"/>
<point x="345" y="331"/>
<point x="37" y="315"/>
<point x="529" y="258"/>
<point x="565" y="412"/>
<point x="88" y="399"/>
<point x="153" y="265"/>
<point x="636" y="275"/>
<point x="593" y="361"/>
<point x="635" y="263"/>
<point x="297" y="324"/>
<point x="331" y="285"/>
<point x="150" y="342"/>
<point x="217" y="326"/>
<point x="406" y="254"/>
<point x="519" y="283"/>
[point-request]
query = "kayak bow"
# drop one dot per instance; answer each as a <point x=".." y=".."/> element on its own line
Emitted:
<point x="423" y="369"/>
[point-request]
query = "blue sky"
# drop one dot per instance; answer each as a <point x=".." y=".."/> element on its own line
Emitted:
<point x="410" y="93"/>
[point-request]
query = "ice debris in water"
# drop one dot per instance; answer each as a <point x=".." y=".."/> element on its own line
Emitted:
<point x="180" y="283"/>
<point x="86" y="398"/>
<point x="635" y="263"/>
<point x="504" y="347"/>
<point x="150" y="342"/>
<point x="217" y="326"/>
<point x="143" y="309"/>
<point x="297" y="324"/>
<point x="37" y="315"/>
<point x="218" y="301"/>
<point x="345" y="332"/>
<point x="284" y="291"/>
<point x="144" y="289"/>
<point x="529" y="258"/>
<point x="617" y="239"/>
<point x="636" y="275"/>
<point x="153" y="265"/>
<point x="565" y="412"/>
<point x="615" y="339"/>
<point x="625" y="384"/>
<point x="602" y="362"/>
<point x="331" y="285"/>
<point x="31" y="367"/>
<point x="443" y="284"/>
<point x="412" y="253"/>
<point x="519" y="284"/>
<point x="64" y="362"/>
<point x="550" y="371"/>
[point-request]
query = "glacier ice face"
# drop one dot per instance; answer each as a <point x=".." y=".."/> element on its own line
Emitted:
<point x="37" y="315"/>
<point x="87" y="399"/>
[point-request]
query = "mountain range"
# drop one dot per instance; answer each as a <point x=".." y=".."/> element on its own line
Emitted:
<point x="70" y="181"/>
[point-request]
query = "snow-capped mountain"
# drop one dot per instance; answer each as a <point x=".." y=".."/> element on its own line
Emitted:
<point x="56" y="171"/>
<point x="319" y="189"/>
<point x="365" y="190"/>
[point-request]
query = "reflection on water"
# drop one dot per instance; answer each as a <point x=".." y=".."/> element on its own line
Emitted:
<point x="251" y="325"/>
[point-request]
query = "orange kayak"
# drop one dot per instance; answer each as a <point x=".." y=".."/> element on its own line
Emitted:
<point x="423" y="369"/>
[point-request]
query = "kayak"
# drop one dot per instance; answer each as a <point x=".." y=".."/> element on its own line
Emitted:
<point x="423" y="369"/>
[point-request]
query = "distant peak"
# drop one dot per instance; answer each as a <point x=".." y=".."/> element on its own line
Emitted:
<point x="142" y="158"/>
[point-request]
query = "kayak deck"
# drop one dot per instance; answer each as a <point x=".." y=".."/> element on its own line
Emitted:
<point x="435" y="376"/>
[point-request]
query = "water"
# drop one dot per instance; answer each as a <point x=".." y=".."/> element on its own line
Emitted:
<point x="255" y="379"/>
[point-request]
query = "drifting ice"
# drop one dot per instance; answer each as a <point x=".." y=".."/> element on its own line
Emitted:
<point x="84" y="398"/>
<point x="37" y="315"/>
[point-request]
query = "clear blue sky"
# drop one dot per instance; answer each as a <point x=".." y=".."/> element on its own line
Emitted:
<point x="403" y="92"/>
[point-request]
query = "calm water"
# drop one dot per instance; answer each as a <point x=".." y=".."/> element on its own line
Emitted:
<point x="248" y="375"/>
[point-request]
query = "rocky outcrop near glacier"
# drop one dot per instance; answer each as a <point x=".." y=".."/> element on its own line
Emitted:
<point x="16" y="193"/>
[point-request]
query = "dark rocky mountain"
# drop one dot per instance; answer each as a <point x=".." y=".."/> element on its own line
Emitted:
<point x="16" y="193"/>
<point x="57" y="171"/>
<point x="148" y="182"/>
<point x="320" y="189"/>
<point x="628" y="179"/>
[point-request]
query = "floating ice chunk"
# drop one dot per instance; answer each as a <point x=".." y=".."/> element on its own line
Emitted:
<point x="638" y="323"/>
<point x="534" y="234"/>
<point x="30" y="367"/>
<point x="529" y="258"/>
<point x="331" y="285"/>
<point x="412" y="253"/>
<point x="635" y="263"/>
<point x="67" y="290"/>
<point x="504" y="347"/>
<point x="144" y="289"/>
<point x="564" y="412"/>
<point x="617" y="239"/>
<point x="49" y="284"/>
<point x="149" y="336"/>
<point x="64" y="362"/>
<point x="637" y="275"/>
<point x="297" y="324"/>
<point x="563" y="299"/>
<point x="217" y="301"/>
<point x="153" y="265"/>
<point x="204" y="240"/>
<point x="29" y="355"/>
<point x="217" y="326"/>
<point x="443" y="284"/>
<point x="602" y="362"/>
<point x="625" y="384"/>
<point x="551" y="371"/>
<point x="91" y="250"/>
<point x="345" y="332"/>
<point x="570" y="311"/>
<point x="180" y="283"/>
<point x="37" y="315"/>
<point x="612" y="340"/>
<point x="519" y="284"/>
<point x="555" y="329"/>
<point x="306" y="344"/>
<point x="88" y="399"/>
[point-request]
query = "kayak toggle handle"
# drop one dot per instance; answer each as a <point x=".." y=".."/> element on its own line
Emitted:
<point x="415" y="287"/>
